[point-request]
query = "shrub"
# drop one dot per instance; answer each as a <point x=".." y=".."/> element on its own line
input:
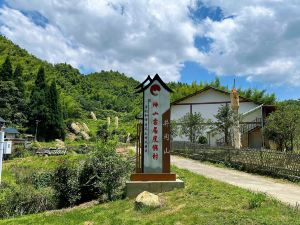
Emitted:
<point x="65" y="184"/>
<point x="42" y="179"/>
<point x="103" y="132"/>
<point x="20" y="152"/>
<point x="26" y="200"/>
<point x="256" y="200"/>
<point x="38" y="179"/>
<point x="103" y="175"/>
<point x="202" y="140"/>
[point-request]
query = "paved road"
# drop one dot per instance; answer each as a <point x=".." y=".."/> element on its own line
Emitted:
<point x="286" y="192"/>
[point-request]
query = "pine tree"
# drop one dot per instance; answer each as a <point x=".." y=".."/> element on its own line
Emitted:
<point x="18" y="77"/>
<point x="217" y="82"/>
<point x="38" y="106"/>
<point x="40" y="79"/>
<point x="6" y="71"/>
<point x="18" y="72"/>
<point x="12" y="105"/>
<point x="55" y="123"/>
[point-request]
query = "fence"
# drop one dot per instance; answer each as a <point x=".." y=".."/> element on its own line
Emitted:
<point x="280" y="164"/>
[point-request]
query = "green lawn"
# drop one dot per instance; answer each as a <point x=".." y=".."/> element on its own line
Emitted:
<point x="203" y="201"/>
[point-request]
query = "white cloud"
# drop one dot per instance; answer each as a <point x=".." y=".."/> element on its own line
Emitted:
<point x="260" y="39"/>
<point x="134" y="37"/>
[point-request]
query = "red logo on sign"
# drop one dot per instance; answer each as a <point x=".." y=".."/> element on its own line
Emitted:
<point x="154" y="88"/>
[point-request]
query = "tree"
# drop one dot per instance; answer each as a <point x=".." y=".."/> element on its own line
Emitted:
<point x="12" y="105"/>
<point x="103" y="132"/>
<point x="18" y="78"/>
<point x="18" y="72"/>
<point x="6" y="71"/>
<point x="55" y="124"/>
<point x="38" y="105"/>
<point x="20" y="85"/>
<point x="174" y="129"/>
<point x="192" y="125"/>
<point x="217" y="82"/>
<point x="283" y="126"/>
<point x="224" y="121"/>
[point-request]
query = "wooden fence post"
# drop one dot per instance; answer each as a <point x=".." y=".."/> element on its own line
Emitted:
<point x="261" y="159"/>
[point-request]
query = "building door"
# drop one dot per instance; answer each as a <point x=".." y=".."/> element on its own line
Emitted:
<point x="255" y="138"/>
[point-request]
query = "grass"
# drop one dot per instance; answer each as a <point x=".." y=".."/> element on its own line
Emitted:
<point x="35" y="163"/>
<point x="203" y="201"/>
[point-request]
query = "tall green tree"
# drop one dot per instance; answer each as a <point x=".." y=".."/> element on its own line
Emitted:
<point x="55" y="122"/>
<point x="18" y="72"/>
<point x="38" y="107"/>
<point x="217" y="82"/>
<point x="192" y="125"/>
<point x="283" y="126"/>
<point x="6" y="71"/>
<point x="224" y="121"/>
<point x="18" y="78"/>
<point x="12" y="105"/>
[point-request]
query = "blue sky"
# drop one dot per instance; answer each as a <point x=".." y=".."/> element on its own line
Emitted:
<point x="254" y="42"/>
<point x="195" y="72"/>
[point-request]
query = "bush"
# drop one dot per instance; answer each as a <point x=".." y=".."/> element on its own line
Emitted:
<point x="103" y="175"/>
<point x="256" y="200"/>
<point x="103" y="132"/>
<point x="65" y="184"/>
<point x="202" y="140"/>
<point x="26" y="200"/>
<point x="20" y="152"/>
<point x="42" y="179"/>
<point x="38" y="179"/>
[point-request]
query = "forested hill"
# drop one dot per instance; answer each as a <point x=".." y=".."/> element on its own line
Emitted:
<point x="107" y="93"/>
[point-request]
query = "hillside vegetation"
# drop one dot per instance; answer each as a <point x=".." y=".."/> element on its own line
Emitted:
<point x="106" y="93"/>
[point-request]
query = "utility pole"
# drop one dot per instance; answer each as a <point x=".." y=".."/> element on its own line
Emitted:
<point x="36" y="129"/>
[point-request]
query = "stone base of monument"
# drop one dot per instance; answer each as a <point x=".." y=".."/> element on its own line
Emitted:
<point x="133" y="188"/>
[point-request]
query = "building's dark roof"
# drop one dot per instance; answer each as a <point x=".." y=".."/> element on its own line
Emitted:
<point x="2" y="120"/>
<point x="205" y="89"/>
<point x="11" y="130"/>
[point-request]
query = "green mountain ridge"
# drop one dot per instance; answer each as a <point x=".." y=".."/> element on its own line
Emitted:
<point x="106" y="93"/>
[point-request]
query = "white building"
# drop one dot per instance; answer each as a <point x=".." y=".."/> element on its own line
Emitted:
<point x="207" y="102"/>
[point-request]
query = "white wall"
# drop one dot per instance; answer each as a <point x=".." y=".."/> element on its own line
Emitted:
<point x="178" y="111"/>
<point x="208" y="111"/>
<point x="213" y="137"/>
<point x="249" y="117"/>
<point x="247" y="106"/>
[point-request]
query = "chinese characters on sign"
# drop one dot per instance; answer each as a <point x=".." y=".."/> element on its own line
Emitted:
<point x="146" y="128"/>
<point x="155" y="114"/>
<point x="156" y="126"/>
<point x="154" y="153"/>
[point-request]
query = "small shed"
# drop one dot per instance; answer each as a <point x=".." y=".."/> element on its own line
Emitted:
<point x="11" y="133"/>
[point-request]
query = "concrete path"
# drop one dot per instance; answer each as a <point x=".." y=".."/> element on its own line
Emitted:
<point x="284" y="191"/>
